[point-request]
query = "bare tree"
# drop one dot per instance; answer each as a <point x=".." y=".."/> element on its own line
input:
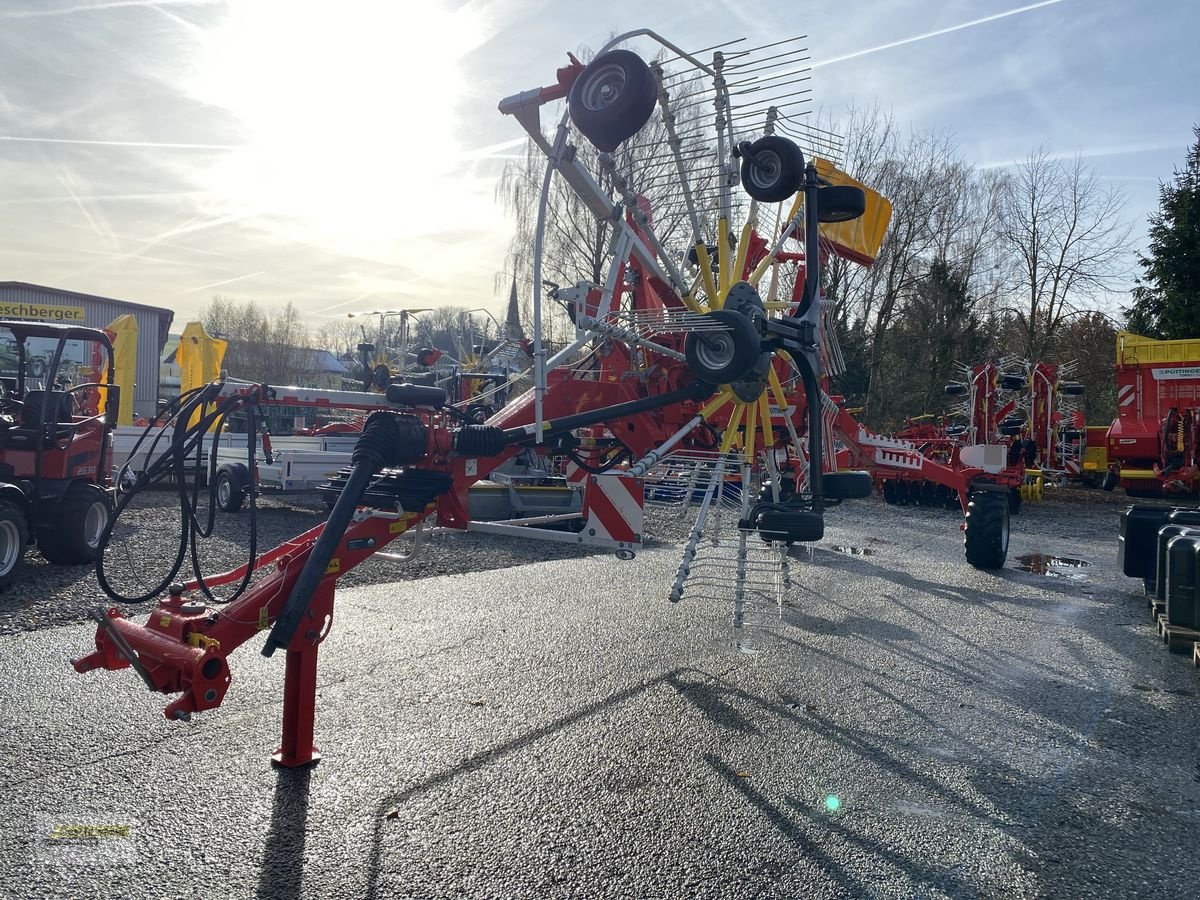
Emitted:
<point x="1068" y="240"/>
<point x="340" y="336"/>
<point x="261" y="347"/>
<point x="929" y="189"/>
<point x="943" y="214"/>
<point x="576" y="243"/>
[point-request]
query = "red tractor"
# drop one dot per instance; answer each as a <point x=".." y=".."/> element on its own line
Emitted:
<point x="55" y="442"/>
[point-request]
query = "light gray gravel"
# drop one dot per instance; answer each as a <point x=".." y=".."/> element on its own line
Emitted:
<point x="43" y="595"/>
<point x="561" y="730"/>
<point x="145" y="541"/>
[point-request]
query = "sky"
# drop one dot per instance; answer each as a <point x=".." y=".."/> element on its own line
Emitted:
<point x="344" y="155"/>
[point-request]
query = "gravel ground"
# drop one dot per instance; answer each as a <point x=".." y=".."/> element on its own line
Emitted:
<point x="908" y="727"/>
<point x="43" y="595"/>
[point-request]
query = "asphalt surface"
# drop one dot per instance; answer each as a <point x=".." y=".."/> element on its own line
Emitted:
<point x="145" y="542"/>
<point x="559" y="729"/>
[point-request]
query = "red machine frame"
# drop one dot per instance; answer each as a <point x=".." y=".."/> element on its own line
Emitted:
<point x="643" y="391"/>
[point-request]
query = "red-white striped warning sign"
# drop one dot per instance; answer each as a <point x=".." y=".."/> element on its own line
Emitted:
<point x="574" y="473"/>
<point x="1125" y="394"/>
<point x="613" y="506"/>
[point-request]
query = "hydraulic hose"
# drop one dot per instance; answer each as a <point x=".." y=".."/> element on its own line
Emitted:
<point x="185" y="439"/>
<point x="388" y="440"/>
<point x="697" y="390"/>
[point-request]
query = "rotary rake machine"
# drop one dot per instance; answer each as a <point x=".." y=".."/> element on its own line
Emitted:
<point x="1019" y="424"/>
<point x="688" y="373"/>
<point x="962" y="458"/>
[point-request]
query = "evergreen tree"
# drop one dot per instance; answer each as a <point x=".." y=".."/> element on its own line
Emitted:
<point x="1166" y="301"/>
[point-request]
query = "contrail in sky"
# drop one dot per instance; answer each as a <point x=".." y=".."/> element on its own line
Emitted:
<point x="98" y="7"/>
<point x="1090" y="152"/>
<point x="226" y="281"/>
<point x="937" y="33"/>
<point x="150" y="144"/>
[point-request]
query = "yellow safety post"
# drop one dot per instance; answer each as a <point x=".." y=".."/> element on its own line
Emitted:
<point x="199" y="357"/>
<point x="123" y="332"/>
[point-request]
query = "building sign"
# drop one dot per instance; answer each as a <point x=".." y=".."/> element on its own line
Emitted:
<point x="42" y="312"/>
<point x="1176" y="373"/>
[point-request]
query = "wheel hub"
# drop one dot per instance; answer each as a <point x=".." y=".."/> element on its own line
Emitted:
<point x="743" y="298"/>
<point x="95" y="523"/>
<point x="604" y="87"/>
<point x="10" y="546"/>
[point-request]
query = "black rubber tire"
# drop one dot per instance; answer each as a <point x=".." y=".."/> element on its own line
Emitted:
<point x="901" y="492"/>
<point x="792" y="525"/>
<point x="840" y="203"/>
<point x="1111" y="479"/>
<point x="776" y="172"/>
<point x="231" y="493"/>
<point x="929" y="495"/>
<point x="889" y="492"/>
<point x="14" y="536"/>
<point x="1072" y="388"/>
<point x="985" y="539"/>
<point x="955" y="389"/>
<point x="1010" y="430"/>
<point x="80" y="521"/>
<point x="846" y="485"/>
<point x="719" y="357"/>
<point x="612" y="98"/>
<point x="1014" y="501"/>
<point x="952" y="502"/>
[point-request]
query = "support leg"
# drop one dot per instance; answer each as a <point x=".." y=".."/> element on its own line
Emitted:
<point x="299" y="710"/>
<point x="300" y="683"/>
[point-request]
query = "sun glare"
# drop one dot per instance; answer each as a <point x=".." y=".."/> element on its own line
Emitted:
<point x="349" y="111"/>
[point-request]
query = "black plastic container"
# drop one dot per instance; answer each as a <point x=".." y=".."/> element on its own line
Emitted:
<point x="1166" y="534"/>
<point x="1139" y="534"/>
<point x="1183" y="553"/>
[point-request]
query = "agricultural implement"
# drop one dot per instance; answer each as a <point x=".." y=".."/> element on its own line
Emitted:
<point x="696" y="373"/>
<point x="55" y="443"/>
<point x="1016" y="427"/>
<point x="1154" y="443"/>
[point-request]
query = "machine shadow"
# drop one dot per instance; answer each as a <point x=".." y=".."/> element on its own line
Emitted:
<point x="283" y="858"/>
<point x="491" y="755"/>
<point x="789" y="828"/>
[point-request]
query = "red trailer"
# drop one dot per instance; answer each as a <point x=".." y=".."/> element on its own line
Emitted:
<point x="1152" y="444"/>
